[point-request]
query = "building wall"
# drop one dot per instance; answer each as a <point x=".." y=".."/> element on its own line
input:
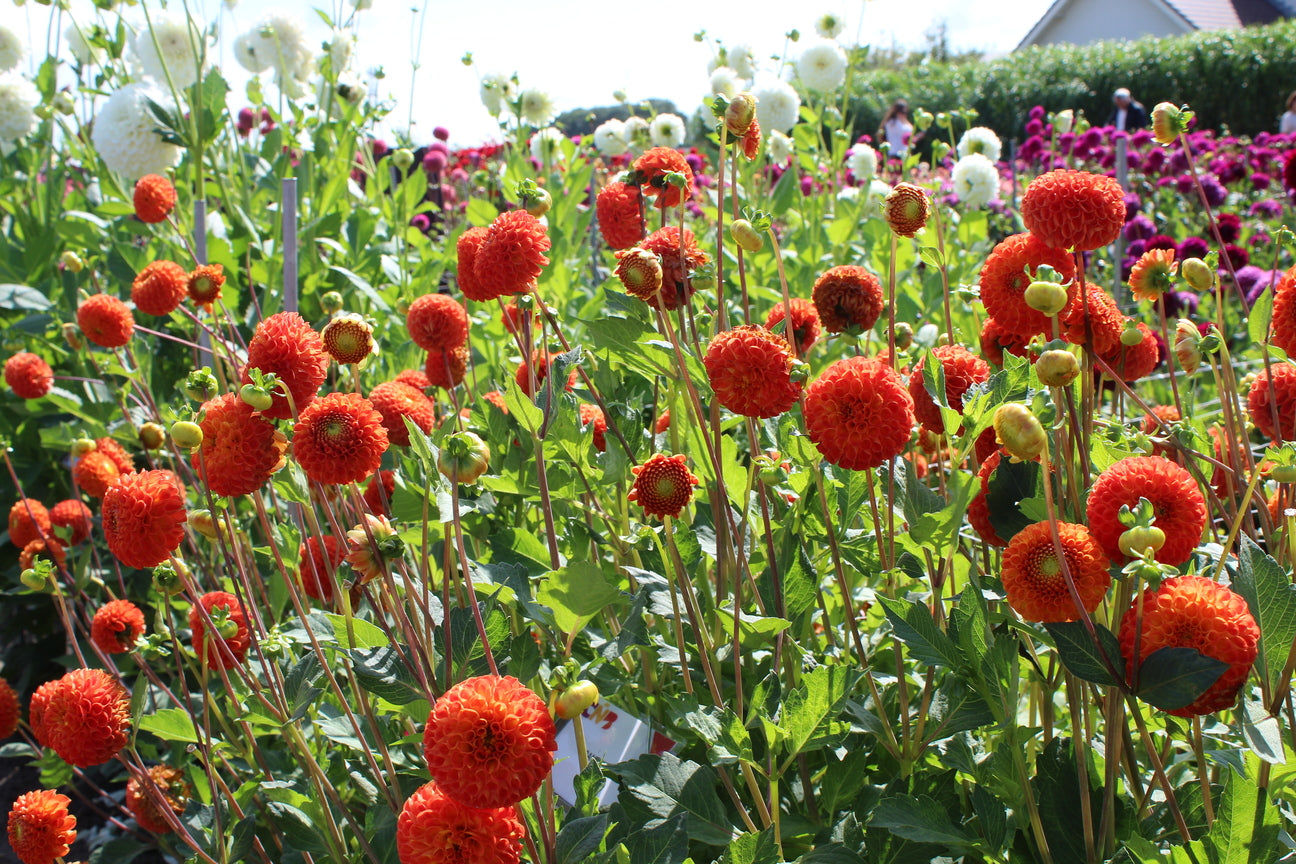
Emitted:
<point x="1083" y="21"/>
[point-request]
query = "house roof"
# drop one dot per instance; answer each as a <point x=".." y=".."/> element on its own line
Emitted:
<point x="1197" y="14"/>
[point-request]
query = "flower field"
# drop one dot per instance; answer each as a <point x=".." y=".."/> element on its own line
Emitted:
<point x="731" y="488"/>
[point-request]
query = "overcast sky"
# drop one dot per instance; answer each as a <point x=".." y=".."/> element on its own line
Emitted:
<point x="578" y="50"/>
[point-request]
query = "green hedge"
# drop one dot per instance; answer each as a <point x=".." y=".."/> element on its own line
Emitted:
<point x="1237" y="79"/>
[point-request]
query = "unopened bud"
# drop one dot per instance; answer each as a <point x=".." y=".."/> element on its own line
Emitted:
<point x="152" y="436"/>
<point x="537" y="201"/>
<point x="1167" y="122"/>
<point x="1057" y="368"/>
<point x="204" y="523"/>
<point x="82" y="446"/>
<point x="903" y="335"/>
<point x="1140" y="540"/>
<point x="922" y="119"/>
<point x="257" y="397"/>
<point x="72" y="261"/>
<point x="1131" y="336"/>
<point x="187" y="435"/>
<point x="402" y="307"/>
<point x="1019" y="432"/>
<point x="34" y="580"/>
<point x="1198" y="274"/>
<point x="166" y="579"/>
<point x="463" y="458"/>
<point x="1187" y="346"/>
<point x="576" y="699"/>
<point x="1048" y="298"/>
<point x="72" y="336"/>
<point x="200" y="385"/>
<point x="331" y="303"/>
<point x="739" y="114"/>
<point x="403" y="159"/>
<point x="746" y="236"/>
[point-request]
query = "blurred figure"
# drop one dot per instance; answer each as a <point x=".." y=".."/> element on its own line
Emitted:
<point x="897" y="130"/>
<point x="1288" y="122"/>
<point x="1127" y="114"/>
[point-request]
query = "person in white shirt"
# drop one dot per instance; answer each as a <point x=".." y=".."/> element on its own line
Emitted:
<point x="1127" y="115"/>
<point x="897" y="130"/>
<point x="1288" y="122"/>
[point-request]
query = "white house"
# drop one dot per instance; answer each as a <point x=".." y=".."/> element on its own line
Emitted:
<point x="1083" y="21"/>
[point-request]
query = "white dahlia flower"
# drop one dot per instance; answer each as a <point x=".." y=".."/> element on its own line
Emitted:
<point x="495" y="89"/>
<point x="878" y="190"/>
<point x="742" y="60"/>
<point x="981" y="140"/>
<point x="78" y="43"/>
<point x="666" y="130"/>
<point x="11" y="49"/>
<point x="862" y="160"/>
<point x="537" y="107"/>
<point x="976" y="180"/>
<point x="777" y="106"/>
<point x="546" y="145"/>
<point x="724" y="82"/>
<point x="637" y="135"/>
<point x="830" y="25"/>
<point x="779" y="147"/>
<point x="822" y="66"/>
<point x="609" y="137"/>
<point x="278" y="42"/>
<point x="125" y="134"/>
<point x="18" y="101"/>
<point x="170" y="45"/>
<point x="341" y="48"/>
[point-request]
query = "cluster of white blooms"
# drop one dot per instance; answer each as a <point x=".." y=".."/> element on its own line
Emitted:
<point x="724" y="82"/>
<point x="778" y="107"/>
<point x="126" y="137"/>
<point x="18" y="101"/>
<point x="637" y="134"/>
<point x="976" y="180"/>
<point x="862" y="160"/>
<point x="78" y="42"/>
<point x="609" y="138"/>
<point x="546" y="145"/>
<point x="667" y="130"/>
<point x="495" y="89"/>
<point x="278" y="42"/>
<point x="779" y="147"/>
<point x="11" y="50"/>
<point x="537" y="107"/>
<point x="822" y="66"/>
<point x="981" y="140"/>
<point x="170" y="47"/>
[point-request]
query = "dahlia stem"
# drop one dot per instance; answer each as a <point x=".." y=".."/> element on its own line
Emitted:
<point x="1158" y="771"/>
<point x="722" y="314"/>
<point x="843" y="585"/>
<point x="1236" y="527"/>
<point x="1203" y="771"/>
<point x="891" y="301"/>
<point x="468" y="583"/>
<point x="1075" y="694"/>
<point x="788" y="328"/>
<point x="676" y="617"/>
<point x="944" y="273"/>
<point x="706" y="650"/>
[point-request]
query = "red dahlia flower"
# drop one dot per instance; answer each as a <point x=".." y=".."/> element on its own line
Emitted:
<point x="240" y="448"/>
<point x="652" y="168"/>
<point x="663" y="485"/>
<point x="805" y="323"/>
<point x="105" y="321"/>
<point x="228" y="647"/>
<point x="339" y="439"/>
<point x="28" y="375"/>
<point x="859" y="414"/>
<point x="437" y="322"/>
<point x="750" y="370"/>
<point x="116" y="626"/>
<point x="1074" y="209"/>
<point x="848" y="299"/>
<point x="1032" y="575"/>
<point x="144" y="517"/>
<point x="1175" y="497"/>
<point x="155" y="198"/>
<point x="84" y="716"/>
<point x="434" y="828"/>
<point x="1005" y="278"/>
<point x="159" y="288"/>
<point x="620" y="215"/>
<point x="40" y="828"/>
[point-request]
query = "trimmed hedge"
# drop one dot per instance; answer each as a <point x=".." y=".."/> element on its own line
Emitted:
<point x="1237" y="79"/>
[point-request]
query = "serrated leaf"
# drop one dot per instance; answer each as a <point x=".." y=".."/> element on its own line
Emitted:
<point x="661" y="788"/>
<point x="575" y="593"/>
<point x="297" y="827"/>
<point x="810" y="706"/>
<point x="381" y="672"/>
<point x="758" y="848"/>
<point x="1080" y="655"/>
<point x="921" y="819"/>
<point x="170" y="724"/>
<point x="1246" y="826"/>
<point x="914" y="625"/>
<point x="1271" y="597"/>
<point x="580" y="838"/>
<point x="1259" y="317"/>
<point x="1174" y="677"/>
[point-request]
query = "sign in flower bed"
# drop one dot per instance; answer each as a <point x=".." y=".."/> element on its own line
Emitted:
<point x="775" y="498"/>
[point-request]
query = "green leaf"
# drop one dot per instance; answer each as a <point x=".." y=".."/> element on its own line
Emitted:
<point x="1080" y="655"/>
<point x="831" y="853"/>
<point x="382" y="672"/>
<point x="480" y="212"/>
<point x="1057" y="789"/>
<point x="758" y="848"/>
<point x="724" y="732"/>
<point x="1246" y="826"/>
<point x="1174" y="677"/>
<point x="955" y="708"/>
<point x="914" y="625"/>
<point x="810" y="706"/>
<point x="580" y="838"/>
<point x="366" y="635"/>
<point x="521" y="407"/>
<point x="297" y="827"/>
<point x="921" y="819"/>
<point x="1009" y="484"/>
<point x="170" y="724"/>
<point x="1262" y="732"/>
<point x="1271" y="597"/>
<point x="1259" y="317"/>
<point x="22" y="297"/>
<point x="575" y="593"/>
<point x="658" y="789"/>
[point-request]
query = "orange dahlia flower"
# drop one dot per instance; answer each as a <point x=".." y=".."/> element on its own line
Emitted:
<point x="1153" y="274"/>
<point x="510" y="259"/>
<point x="466" y="249"/>
<point x="996" y="341"/>
<point x="10" y="710"/>
<point x="94" y="473"/>
<point x="1284" y="313"/>
<point x="416" y="379"/>
<point x="227" y="647"/>
<point x="663" y="485"/>
<point x="40" y="828"/>
<point x="171" y="786"/>
<point x="979" y="510"/>
<point x="1105" y="321"/>
<point x="1195" y="612"/>
<point x="84" y="716"/>
<point x="105" y="321"/>
<point x="285" y="344"/>
<point x="437" y="322"/>
<point x="144" y="517"/>
<point x="434" y="828"/>
<point x="28" y="375"/>
<point x="240" y="448"/>
<point x="848" y="299"/>
<point x="159" y="288"/>
<point x="75" y="516"/>
<point x="805" y="323"/>
<point x="651" y="169"/>
<point x="117" y="626"/>
<point x="319" y="564"/>
<point x="620" y="215"/>
<point x="1176" y="499"/>
<point x="1074" y="209"/>
<point x="154" y="198"/>
<point x="1273" y="395"/>
<point x="750" y="370"/>
<point x="339" y="439"/>
<point x="1032" y="575"/>
<point x="205" y="283"/>
<point x="117" y="453"/>
<point x="489" y="742"/>
<point x="677" y="284"/>
<point x="592" y="416"/>
<point x="859" y="414"/>
<point x="445" y="369"/>
<point x="348" y="338"/>
<point x="962" y="369"/>
<point x="395" y="402"/>
<point x="1005" y="278"/>
<point x="906" y="209"/>
<point x="28" y="521"/>
<point x="1132" y="362"/>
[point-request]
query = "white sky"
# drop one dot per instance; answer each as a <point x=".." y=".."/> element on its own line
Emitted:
<point x="578" y="50"/>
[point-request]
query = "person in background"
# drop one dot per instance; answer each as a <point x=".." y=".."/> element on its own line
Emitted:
<point x="1127" y="115"/>
<point x="1288" y="122"/>
<point x="897" y="130"/>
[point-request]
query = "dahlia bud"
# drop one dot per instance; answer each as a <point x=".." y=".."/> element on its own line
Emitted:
<point x="537" y="201"/>
<point x="1283" y="473"/>
<point x="331" y="303"/>
<point x="575" y="699"/>
<point x="82" y="446"/>
<point x="348" y="339"/>
<point x="942" y="120"/>
<point x="1187" y="346"/>
<point x="1019" y="432"/>
<point x="403" y="159"/>
<point x="464" y="458"/>
<point x="1131" y="336"/>
<point x="258" y="397"/>
<point x="402" y="307"/>
<point x="903" y="335"/>
<point x="922" y="119"/>
<point x="152" y="436"/>
<point x="739" y="114"/>
<point x="906" y="209"/>
<point x="187" y="435"/>
<point x="166" y="579"/>
<point x="640" y="272"/>
<point x="204" y="523"/>
<point x="746" y="236"/>
<point x="72" y="261"/>
<point x="1141" y="540"/>
<point x="1063" y="121"/>
<point x="63" y="103"/>
<point x="200" y="385"/>
<point x="34" y="580"/>
<point x="72" y="336"/>
<point x="1198" y="274"/>
<point x="1057" y="368"/>
<point x="1168" y="121"/>
<point x="1049" y="298"/>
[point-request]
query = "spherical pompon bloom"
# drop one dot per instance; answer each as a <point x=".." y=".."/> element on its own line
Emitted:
<point x="155" y="198"/>
<point x="445" y="369"/>
<point x="84" y="716"/>
<point x="996" y="341"/>
<point x="906" y="209"/>
<point x="805" y="323"/>
<point x="1032" y="575"/>
<point x="1284" y="312"/>
<point x="395" y="402"/>
<point x="489" y="742"/>
<point x="437" y="322"/>
<point x="105" y="321"/>
<point x="1195" y="612"/>
<point x="40" y="828"/>
<point x="75" y="516"/>
<point x="1132" y="362"/>
<point x="620" y="215"/>
<point x="348" y="338"/>
<point x="227" y="646"/>
<point x="94" y="473"/>
<point x="140" y="802"/>
<point x="848" y="299"/>
<point x="436" y="829"/>
<point x="28" y="521"/>
<point x="1105" y="322"/>
<point x="1263" y="406"/>
<point x="319" y="564"/>
<point x="592" y="416"/>
<point x="144" y="517"/>
<point x="28" y="375"/>
<point x="750" y="370"/>
<point x="651" y="169"/>
<point x="205" y="284"/>
<point x="859" y="414"/>
<point x="1176" y="500"/>
<point x="160" y="287"/>
<point x="1004" y="280"/>
<point x="117" y="625"/>
<point x="962" y="369"/>
<point x="10" y="710"/>
<point x="676" y="284"/>
<point x="117" y="453"/>
<point x="339" y="439"/>
<point x="1074" y="209"/>
<point x="240" y="448"/>
<point x="285" y="344"/>
<point x="510" y="259"/>
<point x="414" y="378"/>
<point x="466" y="248"/>
<point x="979" y="509"/>
<point x="663" y="485"/>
